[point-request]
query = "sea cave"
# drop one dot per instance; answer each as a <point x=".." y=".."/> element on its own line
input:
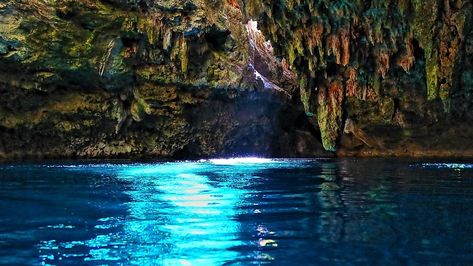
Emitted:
<point x="236" y="132"/>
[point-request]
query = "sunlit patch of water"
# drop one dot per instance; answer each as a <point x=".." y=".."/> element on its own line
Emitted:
<point x="236" y="211"/>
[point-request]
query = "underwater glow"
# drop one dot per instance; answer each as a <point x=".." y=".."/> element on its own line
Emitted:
<point x="241" y="160"/>
<point x="197" y="214"/>
<point x="238" y="211"/>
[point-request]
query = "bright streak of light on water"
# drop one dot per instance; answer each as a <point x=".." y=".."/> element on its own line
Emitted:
<point x="448" y="165"/>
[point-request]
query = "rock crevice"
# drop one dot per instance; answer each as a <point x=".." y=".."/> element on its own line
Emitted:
<point x="198" y="78"/>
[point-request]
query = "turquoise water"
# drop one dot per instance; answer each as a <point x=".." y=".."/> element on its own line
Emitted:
<point x="237" y="212"/>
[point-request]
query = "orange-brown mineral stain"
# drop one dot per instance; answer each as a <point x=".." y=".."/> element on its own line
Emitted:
<point x="234" y="3"/>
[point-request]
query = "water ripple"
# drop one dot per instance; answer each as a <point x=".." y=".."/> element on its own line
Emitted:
<point x="237" y="211"/>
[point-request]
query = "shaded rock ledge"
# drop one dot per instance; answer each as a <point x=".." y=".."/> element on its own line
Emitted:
<point x="204" y="78"/>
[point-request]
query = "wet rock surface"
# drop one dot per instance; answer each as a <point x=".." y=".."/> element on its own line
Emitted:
<point x="183" y="79"/>
<point x="396" y="73"/>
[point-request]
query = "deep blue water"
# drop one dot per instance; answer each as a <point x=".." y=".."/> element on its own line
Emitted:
<point x="237" y="212"/>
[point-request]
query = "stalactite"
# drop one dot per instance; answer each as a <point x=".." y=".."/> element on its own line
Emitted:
<point x="305" y="92"/>
<point x="450" y="42"/>
<point x="329" y="113"/>
<point x="184" y="54"/>
<point x="334" y="48"/>
<point x="352" y="83"/>
<point x="150" y="28"/>
<point x="407" y="59"/>
<point x="314" y="38"/>
<point x="423" y="28"/>
<point x="359" y="42"/>
<point x="353" y="49"/>
<point x="382" y="61"/>
<point x="432" y="69"/>
<point x="345" y="40"/>
<point x="374" y="93"/>
<point x="167" y="38"/>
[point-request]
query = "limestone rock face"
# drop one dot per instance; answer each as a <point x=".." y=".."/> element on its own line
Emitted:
<point x="133" y="79"/>
<point x="199" y="78"/>
<point x="398" y="70"/>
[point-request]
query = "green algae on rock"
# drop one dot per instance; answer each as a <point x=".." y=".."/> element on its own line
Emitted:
<point x="123" y="78"/>
<point x="134" y="78"/>
<point x="364" y="45"/>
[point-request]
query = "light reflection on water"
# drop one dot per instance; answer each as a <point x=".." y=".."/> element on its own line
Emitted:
<point x="448" y="165"/>
<point x="236" y="211"/>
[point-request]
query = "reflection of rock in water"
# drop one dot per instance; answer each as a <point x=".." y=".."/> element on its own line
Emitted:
<point x="331" y="225"/>
<point x="241" y="211"/>
<point x="351" y="205"/>
<point x="368" y="205"/>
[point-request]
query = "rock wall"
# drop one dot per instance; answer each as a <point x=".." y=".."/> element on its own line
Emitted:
<point x="379" y="77"/>
<point x="197" y="78"/>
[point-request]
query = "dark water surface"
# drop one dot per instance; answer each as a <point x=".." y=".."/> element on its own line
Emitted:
<point x="237" y="212"/>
